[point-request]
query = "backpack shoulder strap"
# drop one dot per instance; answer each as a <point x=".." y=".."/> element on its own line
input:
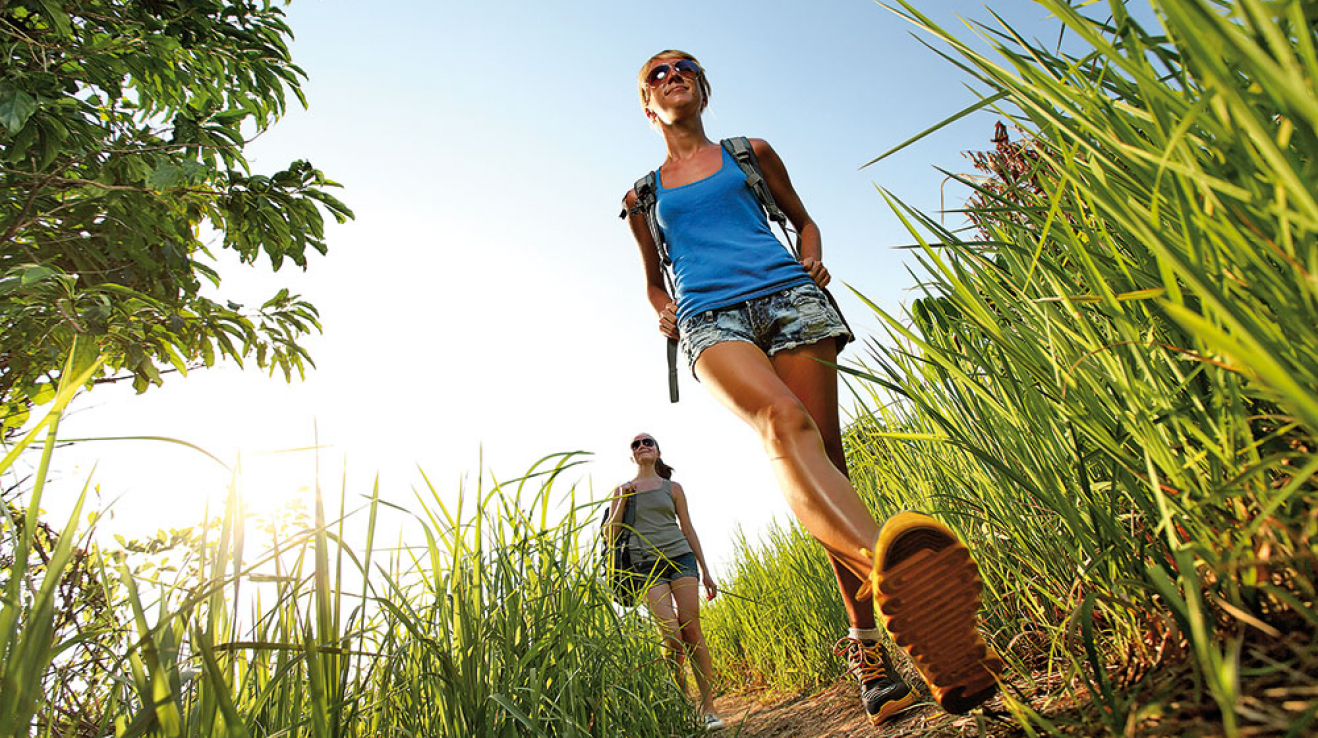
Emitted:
<point x="645" y="188"/>
<point x="739" y="147"/>
<point x="646" y="200"/>
<point x="628" y="514"/>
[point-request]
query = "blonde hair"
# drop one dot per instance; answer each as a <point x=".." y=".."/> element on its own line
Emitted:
<point x="702" y="81"/>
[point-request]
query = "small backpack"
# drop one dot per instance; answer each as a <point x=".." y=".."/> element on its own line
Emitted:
<point x="624" y="582"/>
<point x="740" y="149"/>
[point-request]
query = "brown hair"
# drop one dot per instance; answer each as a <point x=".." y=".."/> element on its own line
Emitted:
<point x="644" y="88"/>
<point x="663" y="469"/>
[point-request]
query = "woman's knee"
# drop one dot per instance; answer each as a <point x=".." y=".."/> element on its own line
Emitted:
<point x="783" y="419"/>
<point x="691" y="633"/>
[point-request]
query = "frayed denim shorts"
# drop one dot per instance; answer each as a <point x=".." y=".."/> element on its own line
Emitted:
<point x="669" y="569"/>
<point x="796" y="316"/>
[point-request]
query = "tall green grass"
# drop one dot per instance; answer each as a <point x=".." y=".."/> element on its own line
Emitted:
<point x="27" y="613"/>
<point x="778" y="618"/>
<point x="1110" y="383"/>
<point x="1109" y="387"/>
<point x="487" y="619"/>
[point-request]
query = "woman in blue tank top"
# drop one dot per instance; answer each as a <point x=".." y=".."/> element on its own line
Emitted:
<point x="761" y="336"/>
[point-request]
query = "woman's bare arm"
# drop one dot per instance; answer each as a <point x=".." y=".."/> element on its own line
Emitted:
<point x="655" y="289"/>
<point x="688" y="530"/>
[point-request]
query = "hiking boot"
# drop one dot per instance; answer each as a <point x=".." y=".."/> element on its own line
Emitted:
<point x="883" y="692"/>
<point x="926" y="591"/>
<point x="712" y="722"/>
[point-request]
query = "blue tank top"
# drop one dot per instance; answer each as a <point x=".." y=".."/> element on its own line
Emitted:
<point x="719" y="239"/>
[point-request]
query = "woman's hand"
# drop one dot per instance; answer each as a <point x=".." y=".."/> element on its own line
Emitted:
<point x="619" y="502"/>
<point x="816" y="270"/>
<point x="668" y="321"/>
<point x="711" y="589"/>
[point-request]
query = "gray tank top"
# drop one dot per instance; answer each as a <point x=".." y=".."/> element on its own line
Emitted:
<point x="657" y="531"/>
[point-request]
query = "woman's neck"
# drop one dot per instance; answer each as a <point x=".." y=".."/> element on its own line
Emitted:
<point x="646" y="471"/>
<point x="685" y="138"/>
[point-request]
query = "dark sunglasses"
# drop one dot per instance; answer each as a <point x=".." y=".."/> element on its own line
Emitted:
<point x="661" y="72"/>
<point x="649" y="442"/>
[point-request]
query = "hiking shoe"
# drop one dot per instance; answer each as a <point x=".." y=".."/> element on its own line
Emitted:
<point x="883" y="692"/>
<point x="712" y="721"/>
<point x="926" y="591"/>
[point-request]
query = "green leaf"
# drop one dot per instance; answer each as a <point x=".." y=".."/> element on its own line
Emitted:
<point x="16" y="107"/>
<point x="59" y="20"/>
<point x="42" y="393"/>
<point x="35" y="274"/>
<point x="15" y="415"/>
<point x="280" y="298"/>
<point x="166" y="176"/>
<point x="131" y="108"/>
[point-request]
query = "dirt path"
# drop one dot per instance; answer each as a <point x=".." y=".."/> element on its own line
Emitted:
<point x="836" y="713"/>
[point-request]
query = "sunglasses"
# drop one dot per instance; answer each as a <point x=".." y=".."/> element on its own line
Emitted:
<point x="661" y="72"/>
<point x="647" y="442"/>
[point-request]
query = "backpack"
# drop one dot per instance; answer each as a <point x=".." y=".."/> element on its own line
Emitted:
<point x="740" y="149"/>
<point x="622" y="579"/>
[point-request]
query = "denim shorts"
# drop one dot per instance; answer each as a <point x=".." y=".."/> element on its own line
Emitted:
<point x="796" y="316"/>
<point x="667" y="569"/>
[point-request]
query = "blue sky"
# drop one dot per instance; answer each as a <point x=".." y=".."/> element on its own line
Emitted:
<point x="486" y="306"/>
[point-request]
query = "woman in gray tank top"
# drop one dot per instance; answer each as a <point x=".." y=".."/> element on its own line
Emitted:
<point x="668" y="551"/>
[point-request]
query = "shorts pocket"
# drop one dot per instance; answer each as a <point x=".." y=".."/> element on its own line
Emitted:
<point x="812" y="309"/>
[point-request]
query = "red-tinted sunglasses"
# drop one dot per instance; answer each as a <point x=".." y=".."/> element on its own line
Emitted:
<point x="649" y="442"/>
<point x="661" y="72"/>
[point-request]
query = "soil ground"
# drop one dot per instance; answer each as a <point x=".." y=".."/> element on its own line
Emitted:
<point x="1278" y="699"/>
<point x="836" y="712"/>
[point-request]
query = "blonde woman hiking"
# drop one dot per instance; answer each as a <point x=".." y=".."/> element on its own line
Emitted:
<point x="758" y="331"/>
<point x="666" y="554"/>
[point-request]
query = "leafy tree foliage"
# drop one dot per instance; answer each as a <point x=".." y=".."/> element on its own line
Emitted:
<point x="122" y="132"/>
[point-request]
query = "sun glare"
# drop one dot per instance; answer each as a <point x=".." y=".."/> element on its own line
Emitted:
<point x="276" y="490"/>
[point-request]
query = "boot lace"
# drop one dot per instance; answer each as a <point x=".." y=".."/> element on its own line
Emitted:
<point x="865" y="660"/>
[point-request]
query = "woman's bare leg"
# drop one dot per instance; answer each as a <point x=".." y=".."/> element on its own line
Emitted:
<point x="659" y="598"/>
<point x="954" y="662"/>
<point x="815" y="385"/>
<point x="742" y="378"/>
<point x="686" y="591"/>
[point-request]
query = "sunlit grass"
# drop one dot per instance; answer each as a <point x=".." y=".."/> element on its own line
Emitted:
<point x="488" y="618"/>
<point x="1109" y="385"/>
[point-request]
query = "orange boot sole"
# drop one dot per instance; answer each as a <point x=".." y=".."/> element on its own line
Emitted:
<point x="892" y="708"/>
<point x="927" y="590"/>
